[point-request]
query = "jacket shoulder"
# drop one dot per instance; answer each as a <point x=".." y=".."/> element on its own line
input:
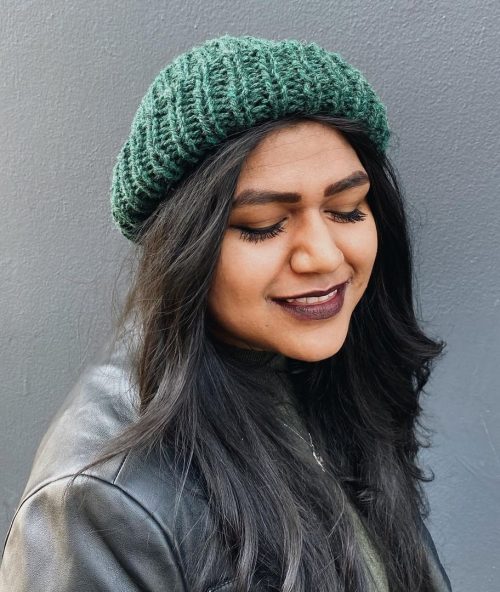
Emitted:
<point x="101" y="405"/>
<point x="130" y="500"/>
<point x="439" y="576"/>
<point x="88" y="534"/>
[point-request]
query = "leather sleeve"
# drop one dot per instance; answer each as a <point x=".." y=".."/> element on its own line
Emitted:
<point x="96" y="539"/>
<point x="439" y="576"/>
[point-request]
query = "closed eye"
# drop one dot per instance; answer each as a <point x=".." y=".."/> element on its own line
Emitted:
<point x="260" y="234"/>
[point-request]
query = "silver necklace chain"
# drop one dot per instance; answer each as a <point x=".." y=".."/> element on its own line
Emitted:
<point x="317" y="457"/>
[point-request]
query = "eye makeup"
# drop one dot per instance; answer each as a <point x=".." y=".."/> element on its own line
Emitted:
<point x="256" y="235"/>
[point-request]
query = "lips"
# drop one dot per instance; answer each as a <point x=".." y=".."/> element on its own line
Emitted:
<point x="312" y="293"/>
<point x="315" y="311"/>
<point x="312" y="299"/>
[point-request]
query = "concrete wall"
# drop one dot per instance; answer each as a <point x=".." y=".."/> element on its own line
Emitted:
<point x="72" y="75"/>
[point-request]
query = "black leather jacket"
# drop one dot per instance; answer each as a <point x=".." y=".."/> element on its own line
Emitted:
<point x="117" y="529"/>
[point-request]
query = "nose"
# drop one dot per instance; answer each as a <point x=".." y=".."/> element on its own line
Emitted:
<point x="315" y="249"/>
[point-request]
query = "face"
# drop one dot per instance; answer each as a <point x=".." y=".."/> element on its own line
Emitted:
<point x="303" y="225"/>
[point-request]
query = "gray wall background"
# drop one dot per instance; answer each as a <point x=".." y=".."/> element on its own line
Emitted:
<point x="72" y="75"/>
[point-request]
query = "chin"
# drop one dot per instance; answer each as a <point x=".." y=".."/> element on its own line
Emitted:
<point x="313" y="354"/>
<point x="317" y="345"/>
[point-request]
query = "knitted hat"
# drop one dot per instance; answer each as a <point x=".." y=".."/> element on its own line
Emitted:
<point x="223" y="86"/>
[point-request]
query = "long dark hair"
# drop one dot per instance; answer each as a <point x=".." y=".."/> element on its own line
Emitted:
<point x="281" y="520"/>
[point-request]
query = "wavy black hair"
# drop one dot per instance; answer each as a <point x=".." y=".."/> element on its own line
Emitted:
<point x="283" y="522"/>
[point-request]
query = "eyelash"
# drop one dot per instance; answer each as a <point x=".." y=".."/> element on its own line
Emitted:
<point x="256" y="235"/>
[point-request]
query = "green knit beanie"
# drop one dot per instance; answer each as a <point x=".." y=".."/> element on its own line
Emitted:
<point x="223" y="86"/>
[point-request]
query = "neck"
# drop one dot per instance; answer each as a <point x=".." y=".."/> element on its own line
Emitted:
<point x="251" y="357"/>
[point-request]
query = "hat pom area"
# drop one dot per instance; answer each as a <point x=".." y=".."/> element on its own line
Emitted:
<point x="223" y="86"/>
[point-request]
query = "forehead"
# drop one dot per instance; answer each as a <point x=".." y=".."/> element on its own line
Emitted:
<point x="302" y="153"/>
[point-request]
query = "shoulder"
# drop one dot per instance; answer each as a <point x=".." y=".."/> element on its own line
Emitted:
<point x="103" y="403"/>
<point x="124" y="512"/>
<point x="92" y="535"/>
<point x="439" y="576"/>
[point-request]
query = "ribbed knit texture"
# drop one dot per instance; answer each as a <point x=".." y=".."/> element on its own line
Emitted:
<point x="223" y="86"/>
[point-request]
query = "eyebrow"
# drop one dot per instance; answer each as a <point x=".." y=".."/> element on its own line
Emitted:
<point x="252" y="197"/>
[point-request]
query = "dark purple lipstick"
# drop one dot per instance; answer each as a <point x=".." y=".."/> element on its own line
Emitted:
<point x="300" y="308"/>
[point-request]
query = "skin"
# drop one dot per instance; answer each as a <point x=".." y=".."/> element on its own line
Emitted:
<point x="315" y="250"/>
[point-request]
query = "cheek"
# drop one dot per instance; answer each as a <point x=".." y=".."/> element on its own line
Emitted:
<point x="244" y="272"/>
<point x="371" y="246"/>
<point x="360" y="247"/>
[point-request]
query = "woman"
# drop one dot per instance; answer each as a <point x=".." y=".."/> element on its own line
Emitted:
<point x="255" y="426"/>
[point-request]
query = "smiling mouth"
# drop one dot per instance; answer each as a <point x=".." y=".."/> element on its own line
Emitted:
<point x="315" y="296"/>
<point x="312" y="299"/>
<point x="315" y="308"/>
